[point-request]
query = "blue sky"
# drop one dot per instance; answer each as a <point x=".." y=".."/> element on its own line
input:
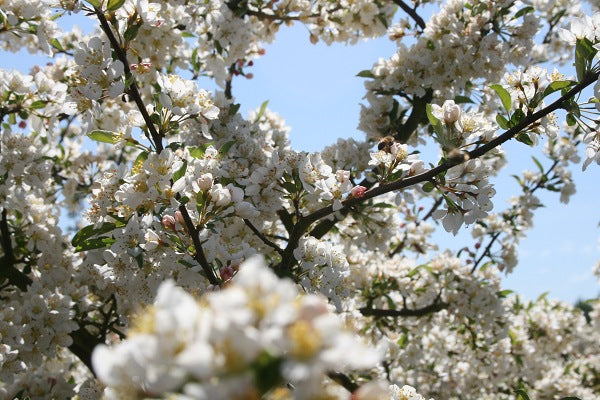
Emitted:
<point x="314" y="88"/>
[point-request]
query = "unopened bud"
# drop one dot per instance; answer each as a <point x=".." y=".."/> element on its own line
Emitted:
<point x="168" y="221"/>
<point x="358" y="191"/>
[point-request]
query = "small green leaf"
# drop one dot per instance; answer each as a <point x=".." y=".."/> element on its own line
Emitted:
<point x="131" y="32"/>
<point x="504" y="96"/>
<point x="428" y="187"/>
<point x="262" y="109"/>
<point x="366" y="73"/>
<point x="180" y="172"/>
<point x="95" y="3"/>
<point x="225" y="148"/>
<point x="435" y="123"/>
<point x="462" y="99"/>
<point x="139" y="162"/>
<point x="502" y="121"/>
<point x="584" y="55"/>
<point x="538" y="163"/>
<point x="570" y="118"/>
<point x="523" y="11"/>
<point x="56" y="44"/>
<point x="89" y="231"/>
<point x="517" y="117"/>
<point x="102" y="136"/>
<point x="197" y="152"/>
<point x="184" y="200"/>
<point x="234" y="108"/>
<point x="95" y="243"/>
<point x="38" y="104"/>
<point x="524" y="138"/>
<point x="114" y="5"/>
<point x="504" y="293"/>
<point x="403" y="341"/>
<point x="522" y="394"/>
<point x="556" y="85"/>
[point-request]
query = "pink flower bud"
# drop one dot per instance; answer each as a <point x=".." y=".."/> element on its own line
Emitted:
<point x="227" y="273"/>
<point x="358" y="191"/>
<point x="168" y="221"/>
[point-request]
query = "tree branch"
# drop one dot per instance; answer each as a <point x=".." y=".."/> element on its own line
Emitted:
<point x="133" y="89"/>
<point x="304" y="223"/>
<point x="411" y="12"/>
<point x="262" y="237"/>
<point x="404" y="312"/>
<point x="199" y="253"/>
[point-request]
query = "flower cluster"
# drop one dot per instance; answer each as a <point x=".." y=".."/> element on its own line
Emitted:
<point x="256" y="334"/>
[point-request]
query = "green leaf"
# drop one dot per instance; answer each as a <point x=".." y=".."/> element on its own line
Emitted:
<point x="366" y="73"/>
<point x="131" y="32"/>
<point x="139" y="162"/>
<point x="184" y="200"/>
<point x="180" y="172"/>
<point x="114" y="5"/>
<point x="225" y="148"/>
<point x="89" y="231"/>
<point x="538" y="163"/>
<point x="403" y="341"/>
<point x="95" y="3"/>
<point x="262" y="109"/>
<point x="570" y="118"/>
<point x="523" y="11"/>
<point x="504" y="293"/>
<point x="517" y="117"/>
<point x="234" y="108"/>
<point x="197" y="152"/>
<point x="524" y="138"/>
<point x="267" y="372"/>
<point x="95" y="243"/>
<point x="504" y="96"/>
<point x="522" y="394"/>
<point x="428" y="187"/>
<point x="462" y="99"/>
<point x="556" y="85"/>
<point x="502" y="121"/>
<point x="436" y="123"/>
<point x="38" y="104"/>
<point x="56" y="44"/>
<point x="102" y="136"/>
<point x="584" y="55"/>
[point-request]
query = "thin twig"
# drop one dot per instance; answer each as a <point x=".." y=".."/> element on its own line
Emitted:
<point x="199" y="256"/>
<point x="304" y="223"/>
<point x="411" y="12"/>
<point x="404" y="312"/>
<point x="133" y="89"/>
<point x="262" y="237"/>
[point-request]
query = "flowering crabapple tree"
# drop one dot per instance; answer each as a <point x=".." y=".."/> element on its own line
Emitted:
<point x="213" y="261"/>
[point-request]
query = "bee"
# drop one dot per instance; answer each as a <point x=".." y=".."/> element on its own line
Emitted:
<point x="386" y="143"/>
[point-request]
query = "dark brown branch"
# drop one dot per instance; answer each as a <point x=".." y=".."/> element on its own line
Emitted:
<point x="404" y="312"/>
<point x="133" y="89"/>
<point x="228" y="94"/>
<point x="486" y="251"/>
<point x="411" y="12"/>
<point x="8" y="270"/>
<point x="344" y="380"/>
<point x="305" y="222"/>
<point x="199" y="253"/>
<point x="262" y="237"/>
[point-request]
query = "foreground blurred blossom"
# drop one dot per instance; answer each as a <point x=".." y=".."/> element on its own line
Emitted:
<point x="256" y="334"/>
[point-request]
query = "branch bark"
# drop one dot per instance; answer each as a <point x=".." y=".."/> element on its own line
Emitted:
<point x="304" y="223"/>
